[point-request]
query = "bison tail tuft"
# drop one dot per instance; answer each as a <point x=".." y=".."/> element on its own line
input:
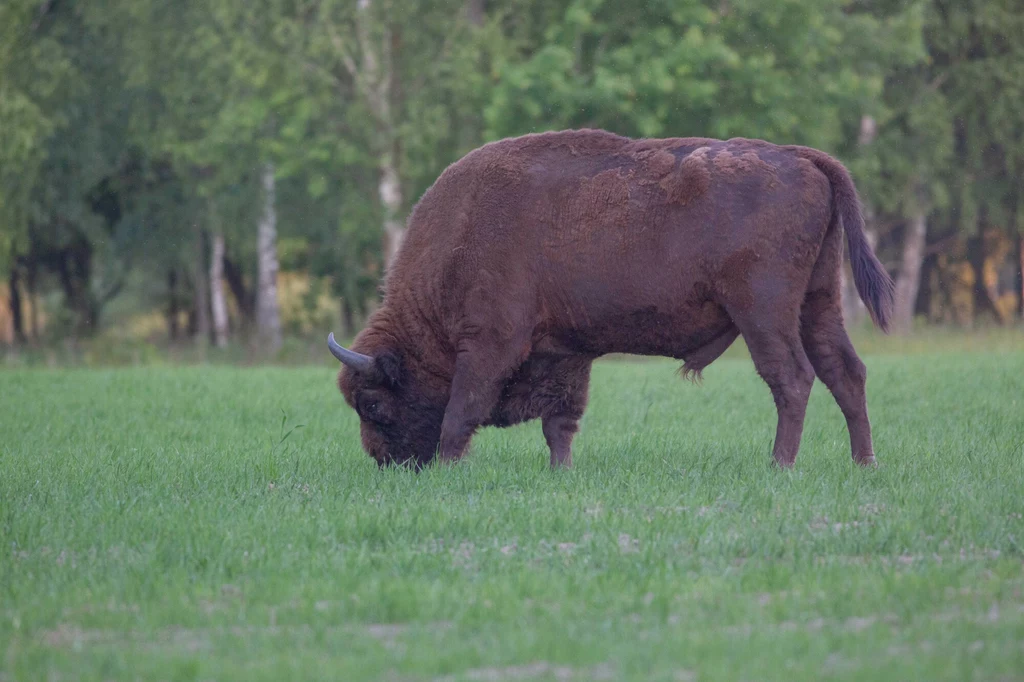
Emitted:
<point x="874" y="285"/>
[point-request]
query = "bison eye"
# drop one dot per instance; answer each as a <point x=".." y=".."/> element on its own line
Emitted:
<point x="371" y="409"/>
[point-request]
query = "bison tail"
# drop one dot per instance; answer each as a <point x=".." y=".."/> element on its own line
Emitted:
<point x="874" y="285"/>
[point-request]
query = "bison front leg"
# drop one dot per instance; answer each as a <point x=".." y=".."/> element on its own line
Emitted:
<point x="471" y="401"/>
<point x="480" y="373"/>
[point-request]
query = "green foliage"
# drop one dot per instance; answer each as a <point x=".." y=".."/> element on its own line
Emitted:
<point x="977" y="46"/>
<point x="787" y="71"/>
<point x="35" y="72"/>
<point x="127" y="129"/>
<point x="901" y="170"/>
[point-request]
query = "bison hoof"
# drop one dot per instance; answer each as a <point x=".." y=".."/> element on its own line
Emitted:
<point x="868" y="461"/>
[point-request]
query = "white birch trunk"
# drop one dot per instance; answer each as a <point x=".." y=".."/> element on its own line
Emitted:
<point x="218" y="304"/>
<point x="390" y="188"/>
<point x="909" y="279"/>
<point x="268" y="317"/>
<point x="202" y="294"/>
<point x="375" y="79"/>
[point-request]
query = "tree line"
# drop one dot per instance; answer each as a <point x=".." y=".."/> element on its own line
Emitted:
<point x="183" y="157"/>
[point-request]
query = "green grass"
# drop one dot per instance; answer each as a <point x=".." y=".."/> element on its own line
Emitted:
<point x="156" y="523"/>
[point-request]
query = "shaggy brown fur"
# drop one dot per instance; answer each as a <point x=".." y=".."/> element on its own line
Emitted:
<point x="532" y="256"/>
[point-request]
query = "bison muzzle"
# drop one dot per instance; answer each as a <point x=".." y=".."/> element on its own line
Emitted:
<point x="532" y="256"/>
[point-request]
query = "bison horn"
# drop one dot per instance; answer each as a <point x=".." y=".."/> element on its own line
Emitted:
<point x="357" y="362"/>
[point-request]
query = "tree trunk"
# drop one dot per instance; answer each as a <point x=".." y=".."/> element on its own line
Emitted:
<point x="17" y="322"/>
<point x="218" y="304"/>
<point x="268" y="317"/>
<point x="75" y="272"/>
<point x="985" y="292"/>
<point x="348" y="324"/>
<point x="243" y="297"/>
<point x="391" y="199"/>
<point x="173" y="305"/>
<point x="377" y="82"/>
<point x="1020" y="274"/>
<point x="201" y="299"/>
<point x="33" y="300"/>
<point x="475" y="12"/>
<point x="926" y="290"/>
<point x="909" y="279"/>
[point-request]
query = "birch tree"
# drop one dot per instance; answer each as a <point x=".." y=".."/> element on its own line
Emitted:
<point x="377" y="81"/>
<point x="388" y="76"/>
<point x="218" y="303"/>
<point x="201" y="301"/>
<point x="268" y="316"/>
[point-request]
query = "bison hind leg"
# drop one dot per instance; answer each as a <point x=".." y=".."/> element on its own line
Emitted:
<point x="695" y="362"/>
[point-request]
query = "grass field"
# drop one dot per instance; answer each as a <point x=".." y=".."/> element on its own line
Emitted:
<point x="222" y="523"/>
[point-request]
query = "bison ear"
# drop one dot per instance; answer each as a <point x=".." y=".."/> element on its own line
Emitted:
<point x="389" y="364"/>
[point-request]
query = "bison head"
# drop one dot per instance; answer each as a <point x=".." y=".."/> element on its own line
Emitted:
<point x="399" y="421"/>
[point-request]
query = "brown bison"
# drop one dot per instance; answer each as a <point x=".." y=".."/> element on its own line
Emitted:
<point x="532" y="256"/>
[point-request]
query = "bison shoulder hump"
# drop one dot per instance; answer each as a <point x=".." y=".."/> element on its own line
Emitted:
<point x="690" y="180"/>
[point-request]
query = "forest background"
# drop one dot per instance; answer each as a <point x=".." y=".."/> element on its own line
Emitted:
<point x="195" y="180"/>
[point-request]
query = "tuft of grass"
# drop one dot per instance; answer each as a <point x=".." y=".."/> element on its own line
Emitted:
<point x="223" y="523"/>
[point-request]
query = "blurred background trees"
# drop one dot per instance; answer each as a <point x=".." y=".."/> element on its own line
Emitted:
<point x="239" y="173"/>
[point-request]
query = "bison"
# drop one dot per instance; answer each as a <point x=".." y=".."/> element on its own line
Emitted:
<point x="532" y="256"/>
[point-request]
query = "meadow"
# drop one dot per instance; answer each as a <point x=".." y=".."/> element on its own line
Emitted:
<point x="222" y="523"/>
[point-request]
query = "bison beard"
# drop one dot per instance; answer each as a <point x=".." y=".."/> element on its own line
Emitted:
<point x="532" y="256"/>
